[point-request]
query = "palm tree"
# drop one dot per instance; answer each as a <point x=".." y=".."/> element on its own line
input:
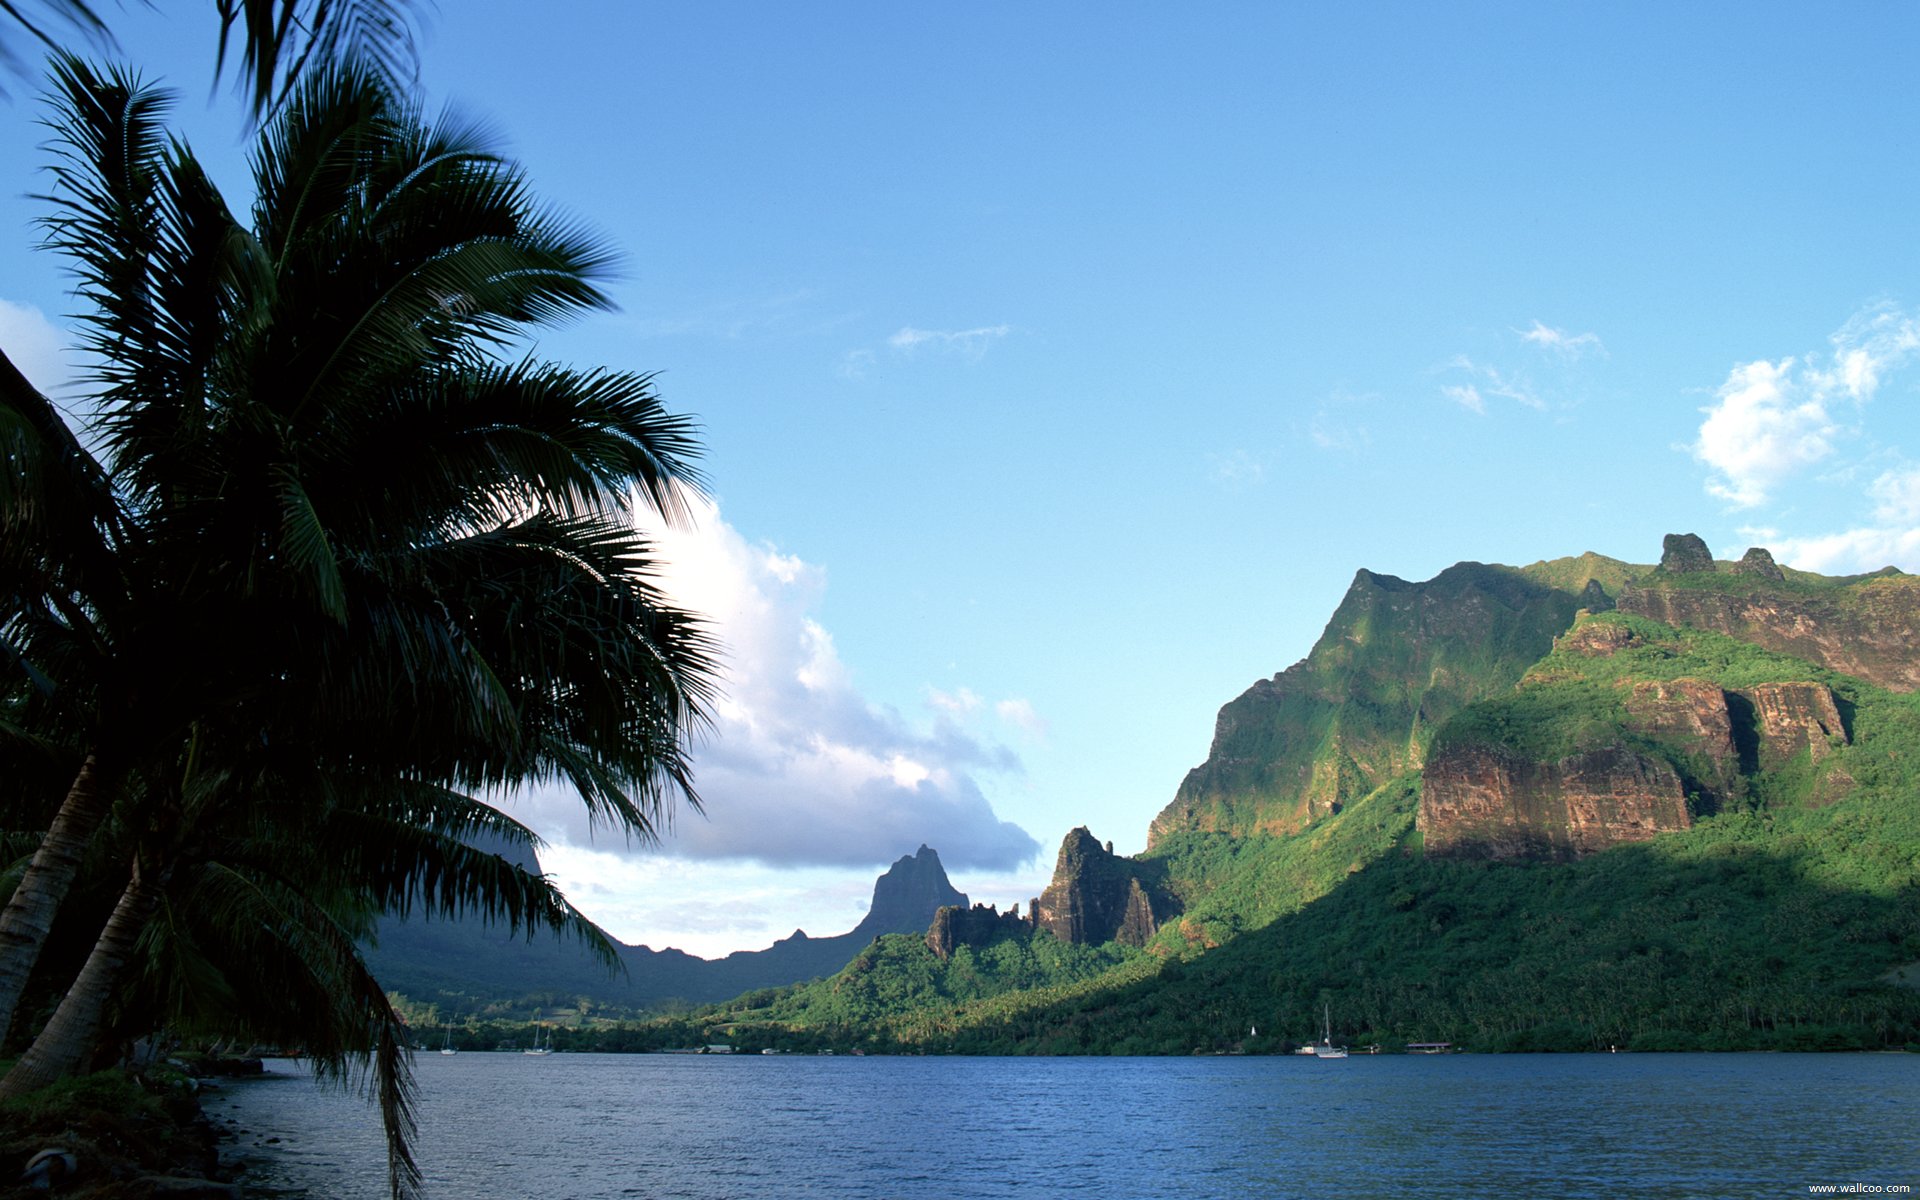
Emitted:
<point x="275" y="39"/>
<point x="340" y="522"/>
<point x="60" y="531"/>
<point x="275" y="867"/>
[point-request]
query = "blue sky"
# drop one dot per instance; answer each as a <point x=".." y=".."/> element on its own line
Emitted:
<point x="1060" y="364"/>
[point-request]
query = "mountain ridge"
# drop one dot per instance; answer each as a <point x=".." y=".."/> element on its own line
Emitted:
<point x="1682" y="837"/>
<point x="464" y="966"/>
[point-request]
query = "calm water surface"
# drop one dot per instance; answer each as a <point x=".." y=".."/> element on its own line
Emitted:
<point x="587" y="1126"/>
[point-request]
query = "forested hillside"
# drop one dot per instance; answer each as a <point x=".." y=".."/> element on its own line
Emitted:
<point x="1652" y="837"/>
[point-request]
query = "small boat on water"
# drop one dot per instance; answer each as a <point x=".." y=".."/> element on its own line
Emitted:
<point x="1326" y="1048"/>
<point x="448" y="1047"/>
<point x="537" y="1047"/>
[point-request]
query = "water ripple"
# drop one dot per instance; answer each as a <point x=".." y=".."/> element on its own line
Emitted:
<point x="1578" y="1127"/>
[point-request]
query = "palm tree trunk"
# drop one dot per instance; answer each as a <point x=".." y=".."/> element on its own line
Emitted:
<point x="29" y="914"/>
<point x="64" y="1046"/>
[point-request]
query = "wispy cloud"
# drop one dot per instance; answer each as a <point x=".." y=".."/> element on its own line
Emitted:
<point x="909" y="341"/>
<point x="1567" y="345"/>
<point x="1019" y="713"/>
<point x="956" y="703"/>
<point x="1771" y="420"/>
<point x="1487" y="381"/>
<point x="1334" y="425"/>
<point x="1476" y="382"/>
<point x="1237" y="470"/>
<point x="969" y="342"/>
<point x="733" y="319"/>
<point x="1466" y="396"/>
<point x="1896" y="496"/>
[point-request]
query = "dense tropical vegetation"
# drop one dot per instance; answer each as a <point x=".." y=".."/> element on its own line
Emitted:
<point x="1786" y="918"/>
<point x="329" y="567"/>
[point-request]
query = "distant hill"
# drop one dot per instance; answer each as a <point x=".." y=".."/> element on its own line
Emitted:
<point x="466" y="967"/>
<point x="1567" y="806"/>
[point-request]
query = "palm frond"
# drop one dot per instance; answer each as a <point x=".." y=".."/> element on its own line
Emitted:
<point x="76" y="15"/>
<point x="279" y="39"/>
<point x="302" y="981"/>
<point x="304" y="547"/>
<point x="109" y="150"/>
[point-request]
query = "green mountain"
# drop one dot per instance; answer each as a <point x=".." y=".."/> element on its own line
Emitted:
<point x="1564" y="806"/>
<point x="1396" y="661"/>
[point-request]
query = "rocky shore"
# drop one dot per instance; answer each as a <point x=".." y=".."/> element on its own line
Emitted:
<point x="120" y="1135"/>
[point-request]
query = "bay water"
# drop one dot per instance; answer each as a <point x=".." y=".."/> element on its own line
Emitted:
<point x="717" y="1127"/>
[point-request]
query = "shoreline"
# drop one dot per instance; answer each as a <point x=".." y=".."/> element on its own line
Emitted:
<point x="115" y="1135"/>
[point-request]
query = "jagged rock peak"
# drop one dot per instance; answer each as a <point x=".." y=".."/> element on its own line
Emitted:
<point x="1758" y="561"/>
<point x="1097" y="896"/>
<point x="1685" y="554"/>
<point x="955" y="926"/>
<point x="1596" y="639"/>
<point x="907" y="896"/>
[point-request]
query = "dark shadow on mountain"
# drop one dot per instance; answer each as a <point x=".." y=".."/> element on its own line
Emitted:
<point x="1733" y="950"/>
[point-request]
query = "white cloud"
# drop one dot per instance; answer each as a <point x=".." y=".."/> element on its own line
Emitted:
<point x="37" y="346"/>
<point x="800" y="768"/>
<point x="709" y="908"/>
<point x="1853" y="551"/>
<point x="1771" y="420"/>
<point x="1897" y="496"/>
<point x="1568" y="345"/>
<point x="1892" y="538"/>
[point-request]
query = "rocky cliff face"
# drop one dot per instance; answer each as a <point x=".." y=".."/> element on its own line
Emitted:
<point x="1097" y="896"/>
<point x="1791" y="717"/>
<point x="1669" y="749"/>
<point x="956" y="926"/>
<point x="1482" y="801"/>
<point x="1692" y="716"/>
<point x="1395" y="662"/>
<point x="1867" y="627"/>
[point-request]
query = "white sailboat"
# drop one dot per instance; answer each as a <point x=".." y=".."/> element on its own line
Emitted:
<point x="1326" y="1048"/>
<point x="537" y="1047"/>
<point x="448" y="1047"/>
